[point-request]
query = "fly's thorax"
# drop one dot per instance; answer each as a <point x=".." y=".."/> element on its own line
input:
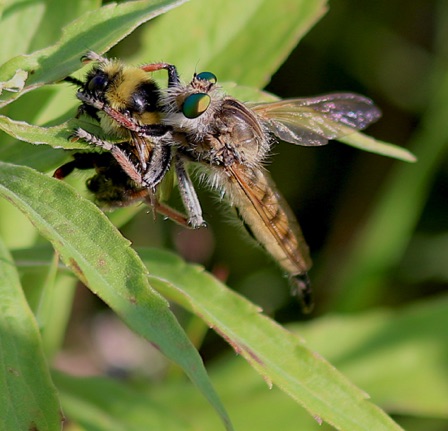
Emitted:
<point x="244" y="132"/>
<point x="235" y="136"/>
<point x="216" y="178"/>
<point x="228" y="132"/>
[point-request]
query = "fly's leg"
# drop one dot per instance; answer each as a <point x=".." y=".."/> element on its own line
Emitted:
<point x="129" y="123"/>
<point x="301" y="288"/>
<point x="173" y="75"/>
<point x="158" y="166"/>
<point x="170" y="213"/>
<point x="188" y="194"/>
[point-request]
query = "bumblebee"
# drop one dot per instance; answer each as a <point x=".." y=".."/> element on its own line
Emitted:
<point x="125" y="101"/>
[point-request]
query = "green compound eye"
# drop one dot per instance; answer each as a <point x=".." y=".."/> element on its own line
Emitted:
<point x="195" y="105"/>
<point x="207" y="76"/>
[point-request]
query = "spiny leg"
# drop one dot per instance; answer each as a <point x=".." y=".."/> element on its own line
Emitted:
<point x="173" y="75"/>
<point x="93" y="56"/>
<point x="129" y="123"/>
<point x="120" y="156"/>
<point x="188" y="194"/>
<point x="170" y="213"/>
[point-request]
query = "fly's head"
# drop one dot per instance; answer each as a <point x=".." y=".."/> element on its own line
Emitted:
<point x="193" y="108"/>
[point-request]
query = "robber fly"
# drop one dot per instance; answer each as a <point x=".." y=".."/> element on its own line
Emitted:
<point x="232" y="140"/>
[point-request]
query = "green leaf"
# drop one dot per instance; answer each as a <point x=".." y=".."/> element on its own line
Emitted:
<point x="240" y="42"/>
<point x="96" y="30"/>
<point x="56" y="136"/>
<point x="56" y="16"/>
<point x="103" y="260"/>
<point x="398" y="356"/>
<point x="367" y="143"/>
<point x="28" y="398"/>
<point x="279" y="356"/>
<point x="250" y="403"/>
<point x="16" y="83"/>
<point x="39" y="23"/>
<point x="18" y="14"/>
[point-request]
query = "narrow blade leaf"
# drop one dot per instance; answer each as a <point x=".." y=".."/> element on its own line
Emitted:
<point x="103" y="260"/>
<point x="279" y="356"/>
<point x="28" y="398"/>
<point x="96" y="30"/>
<point x="367" y="143"/>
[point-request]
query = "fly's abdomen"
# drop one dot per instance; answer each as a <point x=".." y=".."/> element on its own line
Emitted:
<point x="269" y="218"/>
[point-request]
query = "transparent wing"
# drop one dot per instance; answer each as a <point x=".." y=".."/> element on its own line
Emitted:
<point x="313" y="121"/>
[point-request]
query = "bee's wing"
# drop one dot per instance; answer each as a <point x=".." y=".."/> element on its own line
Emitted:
<point x="313" y="121"/>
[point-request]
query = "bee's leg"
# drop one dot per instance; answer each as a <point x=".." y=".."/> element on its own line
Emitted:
<point x="73" y="80"/>
<point x="82" y="161"/>
<point x="65" y="170"/>
<point x="120" y="156"/>
<point x="188" y="194"/>
<point x="173" y="75"/>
